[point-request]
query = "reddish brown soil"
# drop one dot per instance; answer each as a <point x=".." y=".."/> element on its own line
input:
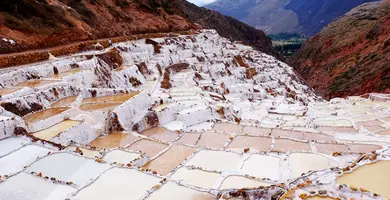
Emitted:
<point x="351" y="56"/>
<point x="175" y="68"/>
<point x="240" y="61"/>
<point x="112" y="58"/>
<point x="250" y="73"/>
<point x="166" y="82"/>
<point x="155" y="44"/>
<point x="67" y="26"/>
<point x="143" y="68"/>
<point x="48" y="23"/>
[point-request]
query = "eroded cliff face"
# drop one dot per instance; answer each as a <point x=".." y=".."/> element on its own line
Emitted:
<point x="350" y="56"/>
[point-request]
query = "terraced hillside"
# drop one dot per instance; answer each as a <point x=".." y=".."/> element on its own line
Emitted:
<point x="185" y="117"/>
<point x="41" y="24"/>
<point x="78" y="24"/>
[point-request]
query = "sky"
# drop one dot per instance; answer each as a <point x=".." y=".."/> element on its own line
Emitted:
<point x="201" y="2"/>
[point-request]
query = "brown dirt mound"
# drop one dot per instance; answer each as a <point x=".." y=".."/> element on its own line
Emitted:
<point x="112" y="58"/>
<point x="155" y="44"/>
<point x="166" y="82"/>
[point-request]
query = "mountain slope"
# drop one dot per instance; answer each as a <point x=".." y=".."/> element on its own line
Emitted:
<point x="26" y="24"/>
<point x="350" y="56"/>
<point x="306" y="17"/>
<point x="227" y="27"/>
<point x="46" y="23"/>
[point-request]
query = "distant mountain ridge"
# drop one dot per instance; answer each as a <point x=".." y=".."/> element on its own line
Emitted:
<point x="227" y="27"/>
<point x="306" y="17"/>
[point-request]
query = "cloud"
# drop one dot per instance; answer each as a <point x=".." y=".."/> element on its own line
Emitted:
<point x="201" y="2"/>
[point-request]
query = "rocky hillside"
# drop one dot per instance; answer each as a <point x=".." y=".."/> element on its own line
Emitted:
<point x="306" y="17"/>
<point x="350" y="56"/>
<point x="46" y="23"/>
<point x="26" y="24"/>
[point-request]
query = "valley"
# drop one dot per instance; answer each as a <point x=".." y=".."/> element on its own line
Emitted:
<point x="287" y="44"/>
<point x="304" y="17"/>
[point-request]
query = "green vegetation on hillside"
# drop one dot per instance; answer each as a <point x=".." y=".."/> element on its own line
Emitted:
<point x="287" y="44"/>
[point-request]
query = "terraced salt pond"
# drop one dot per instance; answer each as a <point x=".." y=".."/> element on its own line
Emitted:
<point x="121" y="188"/>
<point x="102" y="107"/>
<point x="11" y="144"/>
<point x="150" y="147"/>
<point x="117" y="98"/>
<point x="237" y="182"/>
<point x="42" y="115"/>
<point x="36" y="83"/>
<point x="105" y="103"/>
<point x="55" y="130"/>
<point x="33" y="188"/>
<point x="161" y="134"/>
<point x="216" y="160"/>
<point x="189" y="125"/>
<point x="373" y="177"/>
<point x="66" y="73"/>
<point x="88" y="153"/>
<point x="196" y="177"/>
<point x="172" y="158"/>
<point x="114" y="140"/>
<point x="120" y="156"/>
<point x="320" y="198"/>
<point x="171" y="190"/>
<point x="17" y="160"/>
<point x="302" y="163"/>
<point x="263" y="166"/>
<point x="5" y="91"/>
<point x="64" y="102"/>
<point x="69" y="168"/>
